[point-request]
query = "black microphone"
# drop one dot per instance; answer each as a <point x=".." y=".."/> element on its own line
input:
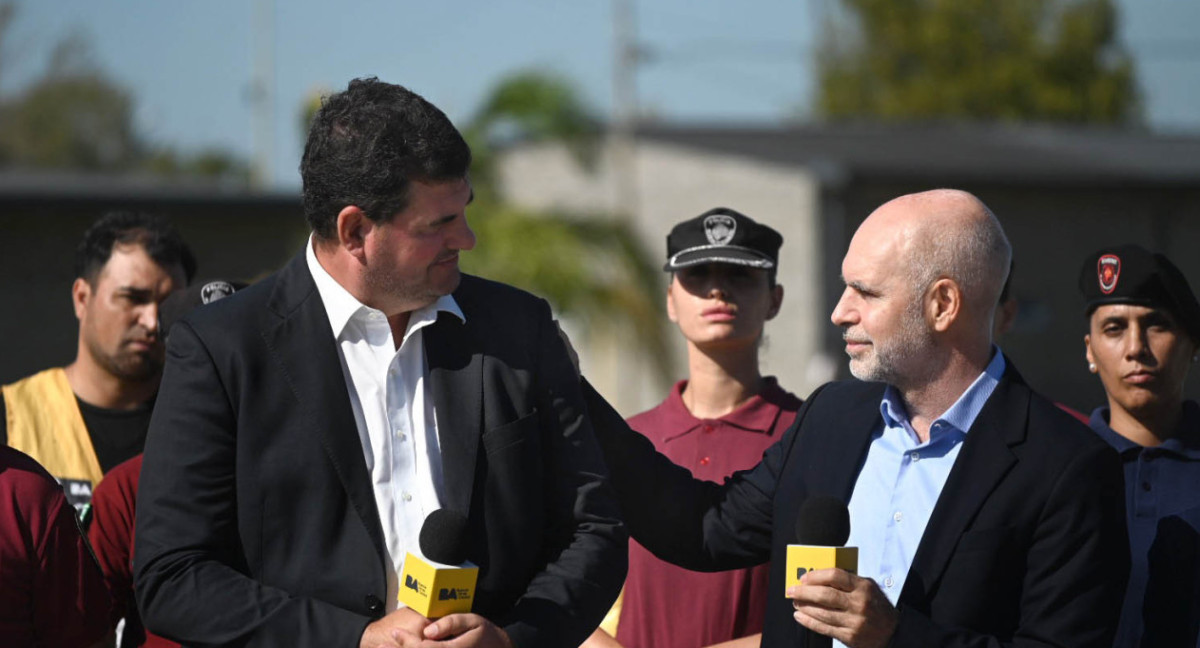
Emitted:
<point x="444" y="537"/>
<point x="822" y="528"/>
<point x="823" y="521"/>
<point x="443" y="581"/>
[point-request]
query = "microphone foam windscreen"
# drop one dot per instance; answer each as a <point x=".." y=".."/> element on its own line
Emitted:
<point x="444" y="538"/>
<point x="823" y="521"/>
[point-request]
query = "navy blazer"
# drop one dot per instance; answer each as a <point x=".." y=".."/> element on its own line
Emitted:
<point x="257" y="523"/>
<point x="1026" y="545"/>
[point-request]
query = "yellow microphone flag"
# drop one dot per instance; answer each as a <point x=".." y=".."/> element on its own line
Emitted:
<point x="802" y="559"/>
<point x="435" y="590"/>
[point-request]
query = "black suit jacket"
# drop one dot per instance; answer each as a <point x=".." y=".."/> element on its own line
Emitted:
<point x="257" y="524"/>
<point x="1026" y="545"/>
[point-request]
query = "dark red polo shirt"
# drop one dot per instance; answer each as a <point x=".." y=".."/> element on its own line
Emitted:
<point x="111" y="533"/>
<point x="51" y="591"/>
<point x="668" y="606"/>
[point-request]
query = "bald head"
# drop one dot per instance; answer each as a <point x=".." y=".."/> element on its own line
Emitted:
<point x="946" y="233"/>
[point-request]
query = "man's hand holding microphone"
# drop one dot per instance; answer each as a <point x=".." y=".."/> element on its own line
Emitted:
<point x="436" y="592"/>
<point x="830" y="599"/>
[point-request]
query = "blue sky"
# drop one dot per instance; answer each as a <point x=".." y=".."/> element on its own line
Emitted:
<point x="190" y="63"/>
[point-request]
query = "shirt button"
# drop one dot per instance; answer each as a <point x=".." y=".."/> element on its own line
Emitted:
<point x="898" y="516"/>
<point x="403" y="436"/>
<point x="708" y="428"/>
<point x="705" y="461"/>
<point x="888" y="582"/>
<point x="407" y="496"/>
<point x="1146" y="486"/>
<point x="916" y="456"/>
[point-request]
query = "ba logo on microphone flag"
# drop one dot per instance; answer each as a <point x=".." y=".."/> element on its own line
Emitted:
<point x="434" y="589"/>
<point x="414" y="585"/>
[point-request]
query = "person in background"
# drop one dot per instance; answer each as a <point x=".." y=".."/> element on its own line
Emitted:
<point x="51" y="591"/>
<point x="81" y="420"/>
<point x="1143" y="332"/>
<point x="110" y="528"/>
<point x="719" y="420"/>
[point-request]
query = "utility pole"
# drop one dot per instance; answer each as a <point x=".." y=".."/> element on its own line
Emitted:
<point x="626" y="55"/>
<point x="262" y="92"/>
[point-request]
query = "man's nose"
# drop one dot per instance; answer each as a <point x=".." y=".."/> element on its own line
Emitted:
<point x="148" y="318"/>
<point x="464" y="238"/>
<point x="841" y="312"/>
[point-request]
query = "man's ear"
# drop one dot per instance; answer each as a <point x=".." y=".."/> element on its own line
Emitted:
<point x="353" y="226"/>
<point x="944" y="303"/>
<point x="1087" y="353"/>
<point x="81" y="292"/>
<point x="776" y="301"/>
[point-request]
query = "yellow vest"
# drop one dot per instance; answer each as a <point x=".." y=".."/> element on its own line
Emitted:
<point x="44" y="422"/>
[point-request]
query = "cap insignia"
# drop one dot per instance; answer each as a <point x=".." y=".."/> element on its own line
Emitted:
<point x="719" y="229"/>
<point x="1108" y="270"/>
<point x="214" y="290"/>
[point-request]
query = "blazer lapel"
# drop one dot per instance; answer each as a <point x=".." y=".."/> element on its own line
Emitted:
<point x="985" y="458"/>
<point x="456" y="381"/>
<point x="303" y="344"/>
<point x="846" y="445"/>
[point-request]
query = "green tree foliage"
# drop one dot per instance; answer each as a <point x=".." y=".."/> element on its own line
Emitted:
<point x="532" y="107"/>
<point x="1040" y="60"/>
<point x="590" y="266"/>
<point x="74" y="117"/>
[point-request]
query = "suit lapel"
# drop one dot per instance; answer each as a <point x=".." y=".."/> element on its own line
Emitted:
<point x="456" y="381"/>
<point x="985" y="458"/>
<point x="846" y="445"/>
<point x="303" y="344"/>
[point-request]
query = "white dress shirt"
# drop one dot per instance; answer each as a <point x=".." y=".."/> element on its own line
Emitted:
<point x="393" y="411"/>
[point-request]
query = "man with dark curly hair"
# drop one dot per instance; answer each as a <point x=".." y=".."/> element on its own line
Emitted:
<point x="309" y="424"/>
<point x="81" y="420"/>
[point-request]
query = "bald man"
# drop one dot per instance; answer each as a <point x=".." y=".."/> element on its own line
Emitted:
<point x="984" y="514"/>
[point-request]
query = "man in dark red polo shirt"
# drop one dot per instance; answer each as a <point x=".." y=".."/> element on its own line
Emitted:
<point x="716" y="422"/>
<point x="51" y="591"/>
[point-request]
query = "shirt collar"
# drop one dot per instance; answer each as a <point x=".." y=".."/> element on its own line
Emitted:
<point x="757" y="414"/>
<point x="962" y="414"/>
<point x="1186" y="443"/>
<point x="341" y="306"/>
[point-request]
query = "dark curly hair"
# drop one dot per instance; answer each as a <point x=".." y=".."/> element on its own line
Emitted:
<point x="365" y="147"/>
<point x="152" y="232"/>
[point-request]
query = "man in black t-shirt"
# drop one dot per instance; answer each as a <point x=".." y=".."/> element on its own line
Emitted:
<point x="81" y="420"/>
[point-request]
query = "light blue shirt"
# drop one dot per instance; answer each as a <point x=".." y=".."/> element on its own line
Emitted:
<point x="901" y="479"/>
